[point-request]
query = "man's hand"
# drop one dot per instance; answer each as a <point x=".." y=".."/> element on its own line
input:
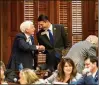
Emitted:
<point x="86" y="71"/>
<point x="41" y="48"/>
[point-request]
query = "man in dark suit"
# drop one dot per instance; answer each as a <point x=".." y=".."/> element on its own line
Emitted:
<point x="23" y="48"/>
<point x="90" y="72"/>
<point x="54" y="38"/>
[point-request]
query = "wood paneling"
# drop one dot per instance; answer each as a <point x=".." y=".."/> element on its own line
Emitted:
<point x="12" y="16"/>
<point x="4" y="29"/>
<point x="88" y="14"/>
<point x="1" y="31"/>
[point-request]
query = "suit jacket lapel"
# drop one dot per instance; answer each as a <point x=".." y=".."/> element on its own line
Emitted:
<point x="46" y="39"/>
<point x="54" y="32"/>
<point x="24" y="36"/>
<point x="96" y="76"/>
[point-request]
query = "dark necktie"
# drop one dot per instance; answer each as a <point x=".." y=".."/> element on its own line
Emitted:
<point x="51" y="37"/>
<point x="32" y="39"/>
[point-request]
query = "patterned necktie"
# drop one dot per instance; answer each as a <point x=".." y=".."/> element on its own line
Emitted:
<point x="51" y="37"/>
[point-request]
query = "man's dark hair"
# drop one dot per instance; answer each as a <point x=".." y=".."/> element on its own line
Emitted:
<point x="42" y="18"/>
<point x="93" y="59"/>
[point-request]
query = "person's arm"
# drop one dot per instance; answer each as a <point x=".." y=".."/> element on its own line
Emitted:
<point x="52" y="77"/>
<point x="90" y="80"/>
<point x="86" y="80"/>
<point x="80" y="81"/>
<point x="92" y="51"/>
<point x="23" y="45"/>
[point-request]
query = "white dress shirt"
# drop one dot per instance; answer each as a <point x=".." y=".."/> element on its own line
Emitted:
<point x="50" y="28"/>
<point x="94" y="74"/>
<point x="28" y="39"/>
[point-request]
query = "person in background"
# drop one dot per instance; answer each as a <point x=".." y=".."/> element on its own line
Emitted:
<point x="54" y="38"/>
<point x="2" y="75"/>
<point x="28" y="76"/>
<point x="82" y="49"/>
<point x="66" y="73"/>
<point x="23" y="49"/>
<point x="90" y="72"/>
<point x="8" y="74"/>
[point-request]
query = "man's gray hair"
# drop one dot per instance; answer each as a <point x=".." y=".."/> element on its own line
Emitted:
<point x="25" y="25"/>
<point x="92" y="39"/>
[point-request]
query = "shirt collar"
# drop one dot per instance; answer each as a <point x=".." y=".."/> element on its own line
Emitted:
<point x="94" y="73"/>
<point x="27" y="36"/>
<point x="50" y="28"/>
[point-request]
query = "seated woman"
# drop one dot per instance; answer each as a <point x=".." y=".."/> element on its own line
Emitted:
<point x="2" y="71"/>
<point x="66" y="73"/>
<point x="28" y="76"/>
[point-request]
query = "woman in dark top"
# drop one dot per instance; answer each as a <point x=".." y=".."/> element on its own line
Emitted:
<point x="67" y="73"/>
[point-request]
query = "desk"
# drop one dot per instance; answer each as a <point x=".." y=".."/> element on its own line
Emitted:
<point x="43" y="74"/>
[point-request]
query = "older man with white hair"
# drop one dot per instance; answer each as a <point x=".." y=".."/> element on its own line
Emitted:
<point x="23" y="49"/>
<point x="83" y="49"/>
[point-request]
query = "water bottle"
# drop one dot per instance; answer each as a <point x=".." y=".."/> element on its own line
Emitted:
<point x="15" y="80"/>
<point x="20" y="67"/>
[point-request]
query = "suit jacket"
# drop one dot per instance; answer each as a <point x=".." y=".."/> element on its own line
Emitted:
<point x="60" y="42"/>
<point x="22" y="52"/>
<point x="79" y="51"/>
<point x="10" y="75"/>
<point x="88" y="80"/>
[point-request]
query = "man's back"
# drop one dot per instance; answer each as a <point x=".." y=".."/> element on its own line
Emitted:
<point x="79" y="51"/>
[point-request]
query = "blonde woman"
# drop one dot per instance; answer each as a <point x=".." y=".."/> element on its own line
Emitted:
<point x="28" y="76"/>
<point x="2" y="70"/>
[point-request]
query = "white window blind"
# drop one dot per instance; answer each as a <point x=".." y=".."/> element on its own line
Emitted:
<point x="76" y="21"/>
<point x="63" y="13"/>
<point x="29" y="10"/>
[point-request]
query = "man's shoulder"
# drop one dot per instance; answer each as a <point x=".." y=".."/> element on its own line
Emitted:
<point x="20" y="35"/>
<point x="57" y="25"/>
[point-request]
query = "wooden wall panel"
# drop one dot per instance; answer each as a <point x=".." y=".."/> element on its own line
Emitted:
<point x="88" y="8"/>
<point x="12" y="16"/>
<point x="56" y="6"/>
<point x="1" y="30"/>
<point x="4" y="30"/>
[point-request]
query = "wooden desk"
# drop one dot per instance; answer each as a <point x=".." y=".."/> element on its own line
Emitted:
<point x="43" y="74"/>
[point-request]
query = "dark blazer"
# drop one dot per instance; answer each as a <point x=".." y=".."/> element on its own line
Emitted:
<point x="60" y="43"/>
<point x="22" y="52"/>
<point x="88" y="80"/>
<point x="10" y="75"/>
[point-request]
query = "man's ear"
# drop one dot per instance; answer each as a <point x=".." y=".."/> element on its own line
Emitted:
<point x="26" y="30"/>
<point x="95" y="63"/>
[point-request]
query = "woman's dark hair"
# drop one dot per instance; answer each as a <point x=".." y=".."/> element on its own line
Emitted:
<point x="42" y="18"/>
<point x="61" y="75"/>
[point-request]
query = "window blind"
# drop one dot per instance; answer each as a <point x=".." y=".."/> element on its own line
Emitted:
<point x="29" y="10"/>
<point x="76" y="21"/>
<point x="63" y="13"/>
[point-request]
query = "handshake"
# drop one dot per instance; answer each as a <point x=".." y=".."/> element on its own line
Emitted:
<point x="40" y="47"/>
